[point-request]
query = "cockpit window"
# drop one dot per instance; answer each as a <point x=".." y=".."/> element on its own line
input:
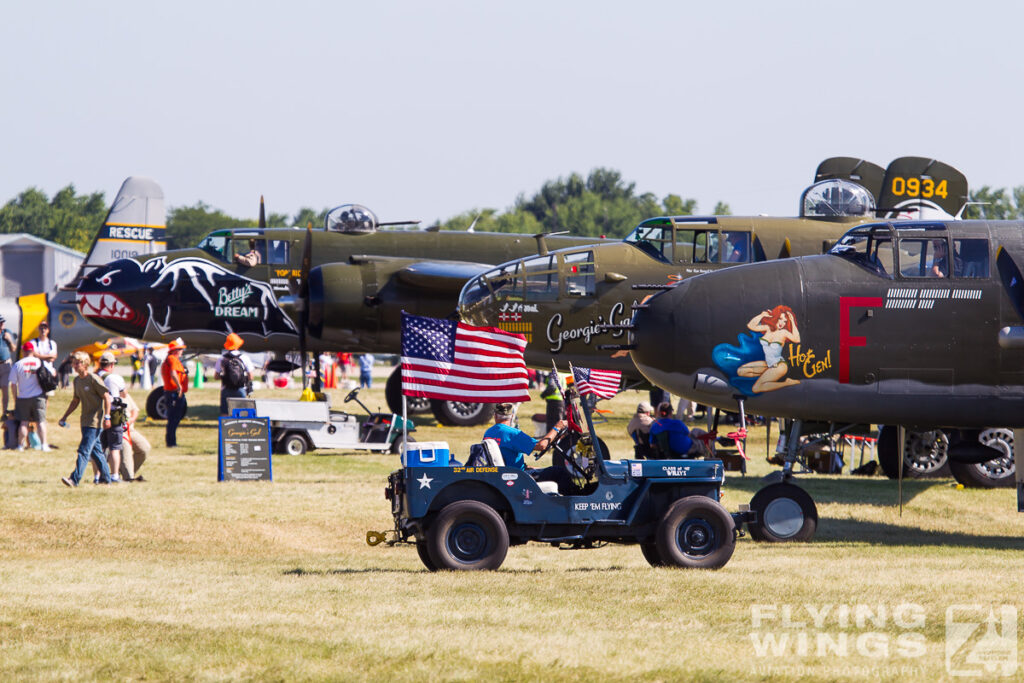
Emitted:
<point x="279" y="252"/>
<point x="216" y="246"/>
<point x="540" y="279"/>
<point x="654" y="239"/>
<point x="579" y="279"/>
<point x="737" y="247"/>
<point x="869" y="247"/>
<point x="970" y="258"/>
<point x="249" y="252"/>
<point x="696" y="246"/>
<point x="924" y="257"/>
<point x="836" y="197"/>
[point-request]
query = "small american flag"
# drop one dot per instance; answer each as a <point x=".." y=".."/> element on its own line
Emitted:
<point x="454" y="361"/>
<point x="603" y="383"/>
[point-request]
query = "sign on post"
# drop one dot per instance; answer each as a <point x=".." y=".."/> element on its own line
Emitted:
<point x="244" y="453"/>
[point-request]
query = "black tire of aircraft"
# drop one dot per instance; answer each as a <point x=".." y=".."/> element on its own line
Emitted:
<point x="458" y="414"/>
<point x="156" y="405"/>
<point x="393" y="395"/>
<point x="888" y="454"/>
<point x="779" y="499"/>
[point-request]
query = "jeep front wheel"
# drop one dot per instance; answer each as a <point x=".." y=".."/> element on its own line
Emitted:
<point x="696" y="533"/>
<point x="467" y="535"/>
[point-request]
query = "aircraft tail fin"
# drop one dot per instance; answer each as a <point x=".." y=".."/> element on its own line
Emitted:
<point x="136" y="224"/>
<point x="864" y="173"/>
<point x="921" y="188"/>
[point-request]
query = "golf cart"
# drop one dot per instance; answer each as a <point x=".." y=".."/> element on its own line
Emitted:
<point x="298" y="426"/>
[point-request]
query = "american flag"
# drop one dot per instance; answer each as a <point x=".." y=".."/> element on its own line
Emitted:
<point x="603" y="383"/>
<point x="454" y="361"/>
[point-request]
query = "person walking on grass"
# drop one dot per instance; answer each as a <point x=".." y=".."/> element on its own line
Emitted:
<point x="92" y="394"/>
<point x="29" y="399"/>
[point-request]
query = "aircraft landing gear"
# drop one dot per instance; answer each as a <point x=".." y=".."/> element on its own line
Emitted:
<point x="784" y="511"/>
<point x="156" y="405"/>
<point x="449" y="413"/>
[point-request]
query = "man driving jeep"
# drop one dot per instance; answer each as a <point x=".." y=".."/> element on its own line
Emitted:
<point x="514" y="444"/>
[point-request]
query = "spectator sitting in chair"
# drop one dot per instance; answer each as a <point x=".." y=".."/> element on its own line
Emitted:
<point x="639" y="429"/>
<point x="670" y="438"/>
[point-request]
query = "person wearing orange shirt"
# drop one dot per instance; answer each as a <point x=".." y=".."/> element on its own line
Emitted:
<point x="175" y="378"/>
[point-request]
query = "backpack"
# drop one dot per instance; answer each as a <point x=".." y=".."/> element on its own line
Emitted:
<point x="47" y="380"/>
<point x="233" y="374"/>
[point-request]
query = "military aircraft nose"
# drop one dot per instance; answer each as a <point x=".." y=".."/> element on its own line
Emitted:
<point x="109" y="298"/>
<point x="661" y="334"/>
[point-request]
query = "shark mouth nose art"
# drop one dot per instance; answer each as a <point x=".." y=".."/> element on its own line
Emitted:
<point x="106" y="306"/>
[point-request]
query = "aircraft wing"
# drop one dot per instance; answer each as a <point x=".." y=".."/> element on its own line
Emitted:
<point x="443" y="276"/>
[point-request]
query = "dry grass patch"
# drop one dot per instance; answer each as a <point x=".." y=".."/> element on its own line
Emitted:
<point x="186" y="578"/>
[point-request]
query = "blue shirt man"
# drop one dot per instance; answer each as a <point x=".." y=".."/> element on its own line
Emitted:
<point x="676" y="436"/>
<point x="514" y="444"/>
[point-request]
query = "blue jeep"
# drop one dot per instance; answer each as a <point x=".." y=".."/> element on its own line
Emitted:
<point x="467" y="517"/>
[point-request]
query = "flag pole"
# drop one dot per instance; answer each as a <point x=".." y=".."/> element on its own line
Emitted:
<point x="587" y="414"/>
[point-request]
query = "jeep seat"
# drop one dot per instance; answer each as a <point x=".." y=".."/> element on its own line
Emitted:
<point x="548" y="487"/>
<point x="493" y="452"/>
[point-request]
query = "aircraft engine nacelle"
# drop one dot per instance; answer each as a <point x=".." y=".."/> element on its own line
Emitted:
<point x="340" y="303"/>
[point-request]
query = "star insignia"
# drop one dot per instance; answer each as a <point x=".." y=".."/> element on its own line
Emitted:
<point x="424" y="481"/>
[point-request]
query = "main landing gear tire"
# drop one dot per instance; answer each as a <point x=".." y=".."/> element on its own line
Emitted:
<point x="467" y="535"/>
<point x="156" y="404"/>
<point x="393" y="396"/>
<point x="924" y="454"/>
<point x="996" y="473"/>
<point x="459" y="414"/>
<point x="785" y="513"/>
<point x="695" y="533"/>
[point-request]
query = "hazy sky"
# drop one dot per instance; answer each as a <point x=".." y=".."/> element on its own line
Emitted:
<point x="428" y="109"/>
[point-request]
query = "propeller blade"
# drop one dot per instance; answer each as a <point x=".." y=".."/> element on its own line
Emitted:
<point x="307" y="258"/>
<point x="263" y="214"/>
<point x="1012" y="280"/>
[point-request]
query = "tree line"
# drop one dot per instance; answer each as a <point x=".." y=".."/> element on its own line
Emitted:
<point x="602" y="203"/>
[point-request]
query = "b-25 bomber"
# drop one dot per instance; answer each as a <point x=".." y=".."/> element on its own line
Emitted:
<point x="341" y="287"/>
<point x="918" y="324"/>
<point x="575" y="303"/>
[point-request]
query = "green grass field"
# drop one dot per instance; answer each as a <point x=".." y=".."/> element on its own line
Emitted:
<point x="183" y="577"/>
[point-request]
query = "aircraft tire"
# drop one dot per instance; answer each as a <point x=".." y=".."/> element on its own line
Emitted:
<point x="156" y="405"/>
<point x="467" y="535"/>
<point x="393" y="395"/>
<point x="696" y="532"/>
<point x="459" y="414"/>
<point x="924" y="453"/>
<point x="424" y="553"/>
<point x="785" y="513"/>
<point x="995" y="473"/>
<point x="650" y="552"/>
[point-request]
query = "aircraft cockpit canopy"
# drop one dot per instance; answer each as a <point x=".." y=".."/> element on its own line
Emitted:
<point x="351" y="219"/>
<point x="836" y="197"/>
<point x="922" y="250"/>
